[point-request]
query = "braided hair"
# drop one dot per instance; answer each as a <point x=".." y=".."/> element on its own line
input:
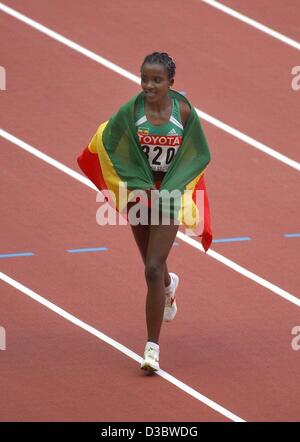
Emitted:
<point x="164" y="59"/>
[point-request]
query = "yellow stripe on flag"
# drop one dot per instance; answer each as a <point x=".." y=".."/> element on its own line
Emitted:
<point x="188" y="213"/>
<point x="113" y="181"/>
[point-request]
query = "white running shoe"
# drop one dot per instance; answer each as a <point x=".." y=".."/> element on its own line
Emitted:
<point x="151" y="357"/>
<point x="170" y="305"/>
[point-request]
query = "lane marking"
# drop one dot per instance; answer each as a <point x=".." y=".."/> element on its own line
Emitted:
<point x="124" y="73"/>
<point x="42" y="156"/>
<point x="241" y="238"/>
<point x="239" y="269"/>
<point x="104" y="249"/>
<point x="255" y="24"/>
<point x="91" y="249"/>
<point x="67" y="42"/>
<point x="115" y="344"/>
<point x="249" y="140"/>
<point x="14" y="255"/>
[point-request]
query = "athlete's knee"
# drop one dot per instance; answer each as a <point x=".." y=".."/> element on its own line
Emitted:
<point x="154" y="272"/>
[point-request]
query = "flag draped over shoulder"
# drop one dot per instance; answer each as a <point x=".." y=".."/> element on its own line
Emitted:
<point x="114" y="157"/>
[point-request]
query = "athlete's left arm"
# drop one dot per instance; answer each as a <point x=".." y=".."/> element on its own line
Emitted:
<point x="184" y="112"/>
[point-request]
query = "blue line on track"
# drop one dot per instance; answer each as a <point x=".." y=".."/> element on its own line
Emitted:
<point x="95" y="249"/>
<point x="14" y="255"/>
<point x="104" y="249"/>
<point x="242" y="238"/>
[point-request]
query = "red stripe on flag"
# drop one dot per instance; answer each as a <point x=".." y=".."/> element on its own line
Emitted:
<point x="207" y="231"/>
<point x="90" y="166"/>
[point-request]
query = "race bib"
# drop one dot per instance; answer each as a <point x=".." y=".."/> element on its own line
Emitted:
<point x="160" y="150"/>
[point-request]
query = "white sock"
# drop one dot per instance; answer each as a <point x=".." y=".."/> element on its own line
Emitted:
<point x="153" y="345"/>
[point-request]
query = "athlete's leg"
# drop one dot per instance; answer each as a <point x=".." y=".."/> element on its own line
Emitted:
<point x="141" y="236"/>
<point x="160" y="241"/>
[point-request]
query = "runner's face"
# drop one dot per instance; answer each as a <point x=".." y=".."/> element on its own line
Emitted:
<point x="155" y="82"/>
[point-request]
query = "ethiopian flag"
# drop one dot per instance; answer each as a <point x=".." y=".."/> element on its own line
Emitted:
<point x="114" y="159"/>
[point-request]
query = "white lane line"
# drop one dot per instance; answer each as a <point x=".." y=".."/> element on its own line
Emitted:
<point x="42" y="156"/>
<point x="249" y="140"/>
<point x="192" y="242"/>
<point x="67" y="42"/>
<point x="124" y="73"/>
<point x="115" y="344"/>
<point x="236" y="267"/>
<point x="255" y="24"/>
